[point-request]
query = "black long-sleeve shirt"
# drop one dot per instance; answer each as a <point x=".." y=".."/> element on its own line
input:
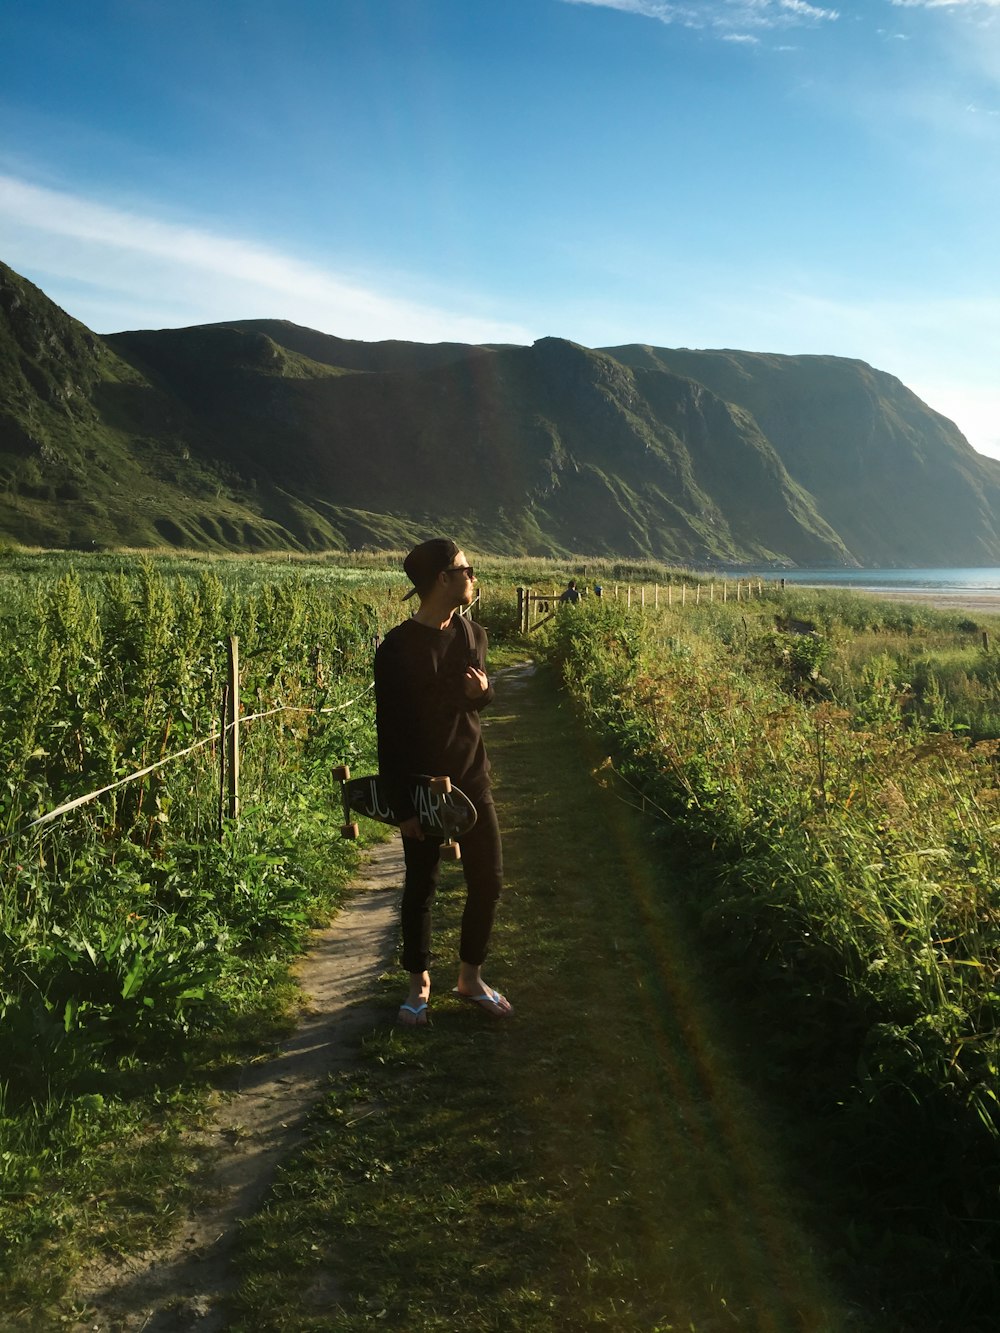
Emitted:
<point x="426" y="723"/>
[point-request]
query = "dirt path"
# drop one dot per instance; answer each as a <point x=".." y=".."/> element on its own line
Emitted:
<point x="252" y="1129"/>
<point x="262" y="1119"/>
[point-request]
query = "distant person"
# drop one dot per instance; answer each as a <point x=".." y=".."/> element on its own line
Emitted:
<point x="572" y="593"/>
<point x="598" y="590"/>
<point x="430" y="683"/>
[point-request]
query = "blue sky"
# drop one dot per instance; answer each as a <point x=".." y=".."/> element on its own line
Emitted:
<point x="774" y="175"/>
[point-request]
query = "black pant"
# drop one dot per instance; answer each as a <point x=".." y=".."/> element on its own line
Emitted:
<point x="482" y="865"/>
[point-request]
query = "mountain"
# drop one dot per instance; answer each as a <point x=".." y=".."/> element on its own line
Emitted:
<point x="262" y="434"/>
<point x="899" y="483"/>
<point x="93" y="452"/>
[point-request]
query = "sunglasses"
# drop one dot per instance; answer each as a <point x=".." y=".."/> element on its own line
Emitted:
<point x="461" y="569"/>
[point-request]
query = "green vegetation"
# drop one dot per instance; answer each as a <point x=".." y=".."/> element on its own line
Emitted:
<point x="138" y="951"/>
<point x="848" y="836"/>
<point x="595" y="1163"/>
<point x="599" y="1162"/>
<point x="828" y="800"/>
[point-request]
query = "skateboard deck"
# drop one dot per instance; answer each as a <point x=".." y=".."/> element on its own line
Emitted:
<point x="443" y="810"/>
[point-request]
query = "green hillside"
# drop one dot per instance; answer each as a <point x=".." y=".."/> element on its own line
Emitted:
<point x="94" y="452"/>
<point x="898" y="481"/>
<point x="262" y="434"/>
<point x="350" y="354"/>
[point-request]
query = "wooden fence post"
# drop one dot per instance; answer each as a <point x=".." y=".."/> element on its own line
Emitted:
<point x="684" y="594"/>
<point x="642" y="596"/>
<point x="223" y="745"/>
<point x="233" y="738"/>
<point x="628" y="596"/>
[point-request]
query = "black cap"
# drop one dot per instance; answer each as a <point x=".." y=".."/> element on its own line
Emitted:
<point x="426" y="561"/>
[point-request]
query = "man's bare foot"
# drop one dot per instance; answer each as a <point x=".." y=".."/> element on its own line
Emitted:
<point x="470" y="982"/>
<point x="413" y="1014"/>
<point x="414" y="1011"/>
<point x="490" y="1001"/>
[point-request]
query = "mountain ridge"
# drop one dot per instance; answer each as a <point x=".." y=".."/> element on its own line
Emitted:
<point x="263" y="434"/>
<point x="924" y="465"/>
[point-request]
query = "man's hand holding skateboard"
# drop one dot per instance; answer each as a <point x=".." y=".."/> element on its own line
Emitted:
<point x="475" y="684"/>
<point x="442" y="810"/>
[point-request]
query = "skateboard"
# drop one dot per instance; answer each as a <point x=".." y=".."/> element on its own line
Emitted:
<point x="444" y="811"/>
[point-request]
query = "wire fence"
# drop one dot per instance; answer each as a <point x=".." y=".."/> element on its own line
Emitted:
<point x="535" y="607"/>
<point x="225" y="735"/>
<point x="216" y="735"/>
<point x="228" y="731"/>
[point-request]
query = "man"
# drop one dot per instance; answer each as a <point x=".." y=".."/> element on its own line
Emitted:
<point x="430" y="683"/>
<point x="572" y="593"/>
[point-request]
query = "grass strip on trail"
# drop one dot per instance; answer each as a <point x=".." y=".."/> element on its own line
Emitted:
<point x="592" y="1162"/>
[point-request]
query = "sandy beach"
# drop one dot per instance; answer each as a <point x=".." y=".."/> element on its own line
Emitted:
<point x="985" y="602"/>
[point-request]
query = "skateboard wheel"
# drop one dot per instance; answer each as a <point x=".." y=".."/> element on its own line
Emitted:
<point x="450" y="851"/>
<point x="440" y="786"/>
<point x="350" y="831"/>
<point x="341" y="773"/>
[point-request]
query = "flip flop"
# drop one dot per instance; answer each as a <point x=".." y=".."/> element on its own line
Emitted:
<point x="420" y="1014"/>
<point x="491" y="1002"/>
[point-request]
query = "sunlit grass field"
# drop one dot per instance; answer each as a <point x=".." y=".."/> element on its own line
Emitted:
<point x="837" y="789"/>
<point x="845" y="804"/>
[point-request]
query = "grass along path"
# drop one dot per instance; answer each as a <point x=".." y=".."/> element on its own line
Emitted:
<point x="249" y="1129"/>
<point x="593" y="1162"/>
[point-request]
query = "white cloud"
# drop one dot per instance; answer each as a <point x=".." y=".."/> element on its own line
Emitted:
<point x="729" y="18"/>
<point x="121" y="264"/>
<point x="805" y="11"/>
<point x="946" y="4"/>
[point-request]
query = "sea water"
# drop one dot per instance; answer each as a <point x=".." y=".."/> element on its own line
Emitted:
<point x="984" y="581"/>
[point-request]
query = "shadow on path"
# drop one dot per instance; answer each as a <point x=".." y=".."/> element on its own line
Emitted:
<point x="259" y="1123"/>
